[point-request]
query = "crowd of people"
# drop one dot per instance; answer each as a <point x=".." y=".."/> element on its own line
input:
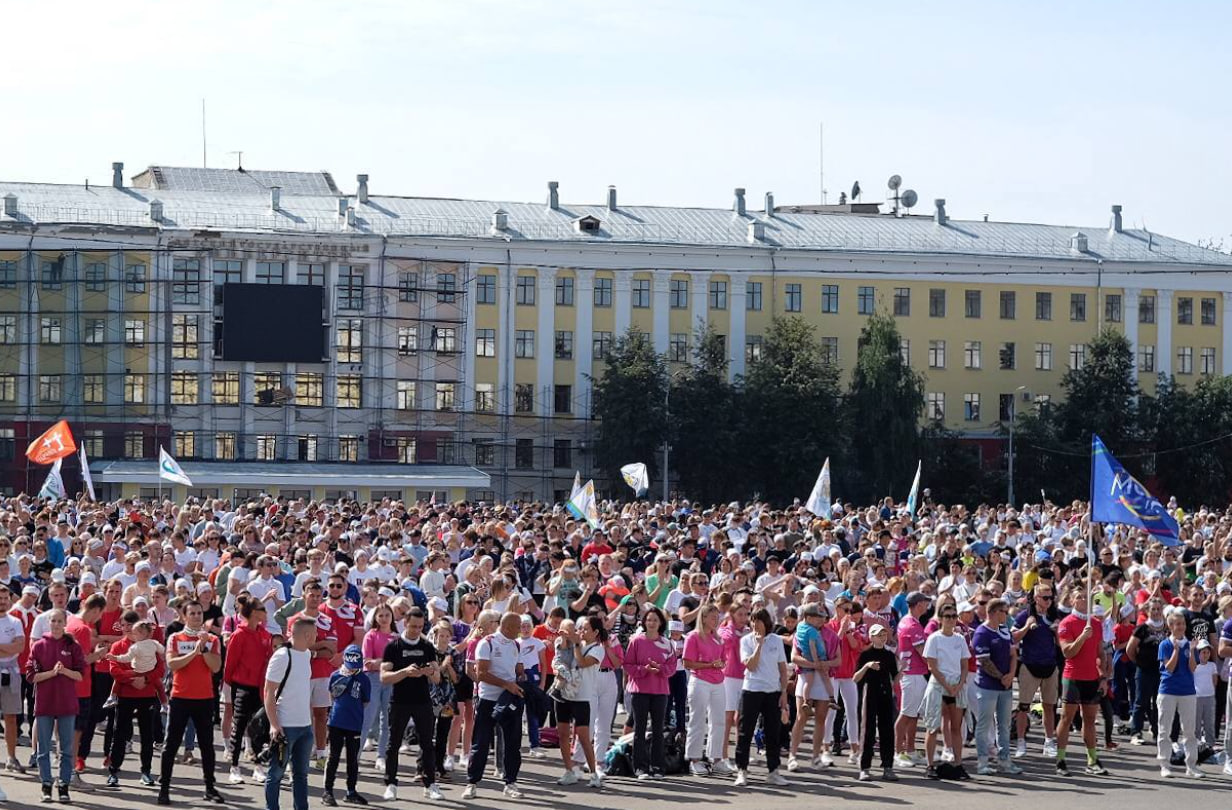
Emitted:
<point x="671" y="639"/>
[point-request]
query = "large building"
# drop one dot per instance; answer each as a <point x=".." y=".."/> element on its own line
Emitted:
<point x="277" y="334"/>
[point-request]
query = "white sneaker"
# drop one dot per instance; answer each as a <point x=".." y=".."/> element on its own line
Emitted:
<point x="567" y="778"/>
<point x="984" y="769"/>
<point x="642" y="776"/>
<point x="512" y="791"/>
<point x="405" y="748"/>
<point x="391" y="793"/>
<point x="853" y="758"/>
<point x="1050" y="748"/>
<point x="469" y="792"/>
<point x="258" y="774"/>
<point x="1020" y="750"/>
<point x="433" y="793"/>
<point x="1194" y="773"/>
<point x="1227" y="767"/>
<point x="237" y="776"/>
<point x="448" y="766"/>
<point x="463" y="760"/>
<point x="596" y="780"/>
<point x="793" y="764"/>
<point x="1165" y="772"/>
<point x="903" y="760"/>
<point x="698" y="769"/>
<point x="369" y="745"/>
<point x="865" y="776"/>
<point x="918" y="758"/>
<point x="742" y="779"/>
<point x="722" y="768"/>
<point x="826" y="760"/>
<point x="947" y="754"/>
<point x="777" y="779"/>
<point x="535" y="753"/>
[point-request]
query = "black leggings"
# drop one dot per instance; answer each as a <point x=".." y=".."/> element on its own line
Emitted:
<point x="654" y="708"/>
<point x="764" y="705"/>
<point x="338" y="739"/>
<point x="878" y="722"/>
<point x="201" y="712"/>
<point x="245" y="701"/>
<point x="143" y="709"/>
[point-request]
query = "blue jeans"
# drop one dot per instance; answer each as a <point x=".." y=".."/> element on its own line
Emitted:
<point x="378" y="706"/>
<point x="299" y="749"/>
<point x="509" y="722"/>
<point x="532" y="720"/>
<point x="1145" y="710"/>
<point x="990" y="702"/>
<point x="64" y="727"/>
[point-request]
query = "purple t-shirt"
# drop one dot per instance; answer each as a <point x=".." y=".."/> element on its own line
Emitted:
<point x="1226" y="633"/>
<point x="995" y="646"/>
<point x="1039" y="645"/>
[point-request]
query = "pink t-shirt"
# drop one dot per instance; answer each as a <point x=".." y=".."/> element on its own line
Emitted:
<point x="706" y="649"/>
<point x="375" y="643"/>
<point x="731" y="649"/>
<point x="911" y="638"/>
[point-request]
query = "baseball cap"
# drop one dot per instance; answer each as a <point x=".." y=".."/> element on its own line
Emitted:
<point x="353" y="657"/>
<point x="438" y="603"/>
<point x="915" y="597"/>
<point x="877" y="630"/>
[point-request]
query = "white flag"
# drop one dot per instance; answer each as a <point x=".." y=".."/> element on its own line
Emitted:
<point x="169" y="470"/>
<point x="583" y="507"/>
<point x="85" y="473"/>
<point x="819" y="498"/>
<point x="53" y="487"/>
<point x="915" y="490"/>
<point x="637" y="477"/>
<point x="577" y="485"/>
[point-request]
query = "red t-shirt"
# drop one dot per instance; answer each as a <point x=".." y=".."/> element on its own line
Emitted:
<point x="348" y="623"/>
<point x="26" y="617"/>
<point x="326" y="630"/>
<point x="1085" y="665"/>
<point x="193" y="680"/>
<point x="84" y="636"/>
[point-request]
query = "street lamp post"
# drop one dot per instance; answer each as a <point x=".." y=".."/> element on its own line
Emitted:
<point x="667" y="440"/>
<point x="1013" y="418"/>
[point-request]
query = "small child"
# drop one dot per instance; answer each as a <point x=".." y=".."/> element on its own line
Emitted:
<point x="878" y="670"/>
<point x="142" y="656"/>
<point x="1205" y="676"/>
<point x="813" y="648"/>
<point x="350" y="689"/>
<point x="444" y="694"/>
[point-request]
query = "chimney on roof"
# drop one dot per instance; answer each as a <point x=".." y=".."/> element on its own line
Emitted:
<point x="275" y="197"/>
<point x="939" y="215"/>
<point x="1116" y="219"/>
<point x="156" y="210"/>
<point x="757" y="232"/>
<point x="739" y="203"/>
<point x="10" y="205"/>
<point x="1078" y="242"/>
<point x="350" y="217"/>
<point x="611" y="198"/>
<point x="117" y="174"/>
<point x="500" y="220"/>
<point x="361" y="193"/>
<point x="553" y="195"/>
<point x="769" y="203"/>
<point x="344" y="205"/>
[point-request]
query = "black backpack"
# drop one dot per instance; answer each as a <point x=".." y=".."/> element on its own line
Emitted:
<point x="259" y="726"/>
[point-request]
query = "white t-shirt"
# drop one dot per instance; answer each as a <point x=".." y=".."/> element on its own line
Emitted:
<point x="766" y="677"/>
<point x="294" y="707"/>
<point x="502" y="656"/>
<point x="951" y="653"/>
<point x="297" y="587"/>
<point x="11" y="630"/>
<point x="1204" y="683"/>
<point x="266" y="590"/>
<point x="530" y="653"/>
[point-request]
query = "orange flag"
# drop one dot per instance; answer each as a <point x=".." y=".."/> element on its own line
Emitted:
<point x="56" y="443"/>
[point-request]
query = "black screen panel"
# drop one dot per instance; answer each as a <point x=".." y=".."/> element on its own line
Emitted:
<point x="273" y="323"/>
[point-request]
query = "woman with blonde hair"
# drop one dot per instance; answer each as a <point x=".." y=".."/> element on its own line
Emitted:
<point x="707" y="697"/>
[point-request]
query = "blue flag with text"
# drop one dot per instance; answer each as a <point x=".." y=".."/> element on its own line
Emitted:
<point x="1118" y="497"/>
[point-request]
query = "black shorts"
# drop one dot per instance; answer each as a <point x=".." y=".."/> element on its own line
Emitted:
<point x="1083" y="693"/>
<point x="576" y="712"/>
<point x="464" y="689"/>
<point x="949" y="700"/>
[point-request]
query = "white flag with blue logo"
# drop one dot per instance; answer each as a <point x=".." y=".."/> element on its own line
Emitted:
<point x="169" y="470"/>
<point x="53" y="487"/>
<point x="819" y="499"/>
<point x="914" y="497"/>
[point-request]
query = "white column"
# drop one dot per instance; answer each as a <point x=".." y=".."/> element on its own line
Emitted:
<point x="583" y="335"/>
<point x="429" y="303"/>
<point x="1226" y="326"/>
<point x="28" y="335"/>
<point x="735" y="340"/>
<point x="1129" y="317"/>
<point x="700" y="292"/>
<point x="662" y="311"/>
<point x="1163" y="328"/>
<point x="623" y="302"/>
<point x="467" y="399"/>
<point x="505" y="279"/>
<point x="545" y="341"/>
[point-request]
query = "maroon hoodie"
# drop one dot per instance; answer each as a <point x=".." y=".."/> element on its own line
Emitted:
<point x="55" y="697"/>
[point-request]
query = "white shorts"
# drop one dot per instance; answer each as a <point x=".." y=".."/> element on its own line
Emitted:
<point x="733" y="688"/>
<point x="818" y="690"/>
<point x="224" y="694"/>
<point x="320" y="694"/>
<point x="913" y="694"/>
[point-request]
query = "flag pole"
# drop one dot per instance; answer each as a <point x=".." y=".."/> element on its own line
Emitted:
<point x="1092" y="555"/>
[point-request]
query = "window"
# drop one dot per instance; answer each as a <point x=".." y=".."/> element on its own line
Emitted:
<point x="1207" y="359"/>
<point x="1043" y="401"/>
<point x="1208" y="311"/>
<point x="752" y="296"/>
<point x="444" y="338"/>
<point x="971" y="407"/>
<point x="829" y="298"/>
<point x="224" y="446"/>
<point x="408" y="288"/>
<point x="53" y="275"/>
<point x="350" y="391"/>
<point x="134" y="332"/>
<point x="311" y="274"/>
<point x="271" y="272"/>
<point x="134" y="389"/>
<point x="1146" y="358"/>
<point x="524" y="398"/>
<point x="93" y="389"/>
<point x="603" y="292"/>
<point x="185" y="388"/>
<point x="93" y="440"/>
<point x="936" y="354"/>
<point x="972" y="304"/>
<point x="405" y="395"/>
<point x="971" y="354"/>
<point x="641" y="293"/>
<point x="485" y="453"/>
<point x="524" y="454"/>
<point x="1008" y="356"/>
<point x="829" y="350"/>
<point x="485" y="397"/>
<point x="225" y="388"/>
<point x="446" y="396"/>
<point x="96" y="276"/>
<point x="406" y="449"/>
<point x="447" y="287"/>
<point x="1077" y="356"/>
<point x="50" y="332"/>
<point x="1184" y="311"/>
<point x="485" y="342"/>
<point x="679" y="293"/>
<point x="95" y="332"/>
<point x="601" y="345"/>
<point x="309" y="389"/>
<point x="306" y="450"/>
<point x="408" y="339"/>
<point x="564" y="344"/>
<point x="485" y="289"/>
<point x="186" y="281"/>
<point x="904" y="350"/>
<point x="936" y="303"/>
<point x="267" y="447"/>
<point x="562" y="399"/>
<point x="902" y="302"/>
<point x="1146" y="309"/>
<point x="524" y="343"/>
<point x="1005" y="407"/>
<point x="350" y="340"/>
<point x="1043" y="306"/>
<point x="265" y="385"/>
<point x="562" y="454"/>
<point x="1043" y="357"/>
<point x="866" y="300"/>
<point x="184" y="335"/>
<point x="134" y="444"/>
<point x="678" y="347"/>
<point x="8" y="274"/>
<point x="752" y="348"/>
<point x="226" y="271"/>
<point x="1184" y="360"/>
<point x="8" y="328"/>
<point x="184" y="444"/>
<point x="564" y="291"/>
<point x="525" y="292"/>
<point x="1112" y="308"/>
<point x="793" y="302"/>
<point x="350" y="286"/>
<point x="1077" y="306"/>
<point x="348" y="448"/>
<point x="718" y="295"/>
<point x="935" y="406"/>
<point x="1008" y="305"/>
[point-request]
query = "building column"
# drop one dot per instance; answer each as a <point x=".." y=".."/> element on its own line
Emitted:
<point x="622" y="300"/>
<point x="505" y="279"/>
<point x="28" y="336"/>
<point x="1163" y="328"/>
<point x="736" y="304"/>
<point x="583" y="335"/>
<point x="466" y="401"/>
<point x="699" y="291"/>
<point x="1226" y="326"/>
<point x="545" y="340"/>
<point x="1129" y="317"/>
<point x="662" y="325"/>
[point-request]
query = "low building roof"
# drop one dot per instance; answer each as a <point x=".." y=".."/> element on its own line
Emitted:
<point x="298" y="475"/>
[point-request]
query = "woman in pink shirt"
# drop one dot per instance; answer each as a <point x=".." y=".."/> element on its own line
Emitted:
<point x="731" y="631"/>
<point x="381" y="631"/>
<point x="703" y="658"/>
<point x="649" y="662"/>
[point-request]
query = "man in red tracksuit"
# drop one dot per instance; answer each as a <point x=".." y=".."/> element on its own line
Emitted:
<point x="138" y="697"/>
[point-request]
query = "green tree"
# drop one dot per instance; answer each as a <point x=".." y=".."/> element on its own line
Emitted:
<point x="628" y="402"/>
<point x="952" y="469"/>
<point x="884" y="408"/>
<point x="705" y="428"/>
<point x="792" y="413"/>
<point x="1188" y="429"/>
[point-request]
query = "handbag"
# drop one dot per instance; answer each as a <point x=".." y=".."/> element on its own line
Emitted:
<point x="259" y="726"/>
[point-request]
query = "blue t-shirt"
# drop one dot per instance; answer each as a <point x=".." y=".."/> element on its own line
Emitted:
<point x="995" y="646"/>
<point x="349" y="693"/>
<point x="806" y="636"/>
<point x="1179" y="681"/>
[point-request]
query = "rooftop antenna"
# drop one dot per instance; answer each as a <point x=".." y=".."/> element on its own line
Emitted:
<point x="204" y="162"/>
<point x="907" y="199"/>
<point x="239" y="160"/>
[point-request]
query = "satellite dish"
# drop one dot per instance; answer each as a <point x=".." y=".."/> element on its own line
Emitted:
<point x="910" y="198"/>
<point x="894" y="182"/>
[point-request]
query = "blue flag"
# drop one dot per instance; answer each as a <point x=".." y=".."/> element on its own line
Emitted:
<point x="1117" y="497"/>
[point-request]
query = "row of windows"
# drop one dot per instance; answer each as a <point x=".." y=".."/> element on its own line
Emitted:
<point x="934" y="408"/>
<point x="226" y="446"/>
<point x="51" y="276"/>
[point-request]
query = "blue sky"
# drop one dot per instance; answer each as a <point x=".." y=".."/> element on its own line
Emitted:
<point x="1043" y="112"/>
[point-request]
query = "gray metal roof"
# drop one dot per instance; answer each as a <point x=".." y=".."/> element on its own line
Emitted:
<point x="229" y="181"/>
<point x="242" y="206"/>
<point x="296" y="474"/>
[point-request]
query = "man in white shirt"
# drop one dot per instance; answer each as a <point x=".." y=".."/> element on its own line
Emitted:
<point x="316" y="569"/>
<point x="263" y="586"/>
<point x="498" y="671"/>
<point x="12" y="642"/>
<point x="290" y="715"/>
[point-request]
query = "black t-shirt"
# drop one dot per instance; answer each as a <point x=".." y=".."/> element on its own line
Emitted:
<point x="1199" y="624"/>
<point x="402" y="653"/>
<point x="1148" y="645"/>
<point x="880" y="681"/>
<point x="689" y="603"/>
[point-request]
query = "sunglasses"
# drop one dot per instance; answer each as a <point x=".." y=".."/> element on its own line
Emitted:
<point x="949" y="615"/>
<point x="1044" y="597"/>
